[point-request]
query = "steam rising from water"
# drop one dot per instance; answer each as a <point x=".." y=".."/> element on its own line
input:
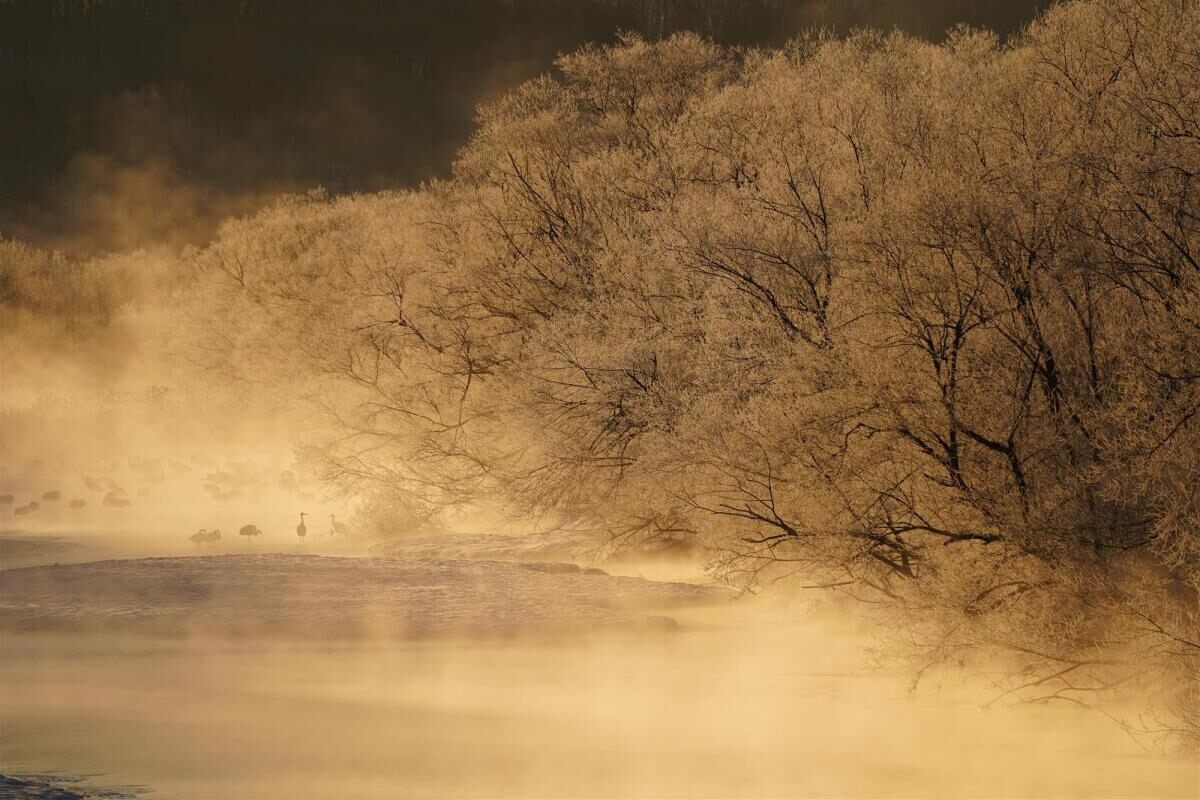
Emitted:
<point x="117" y="443"/>
<point x="741" y="704"/>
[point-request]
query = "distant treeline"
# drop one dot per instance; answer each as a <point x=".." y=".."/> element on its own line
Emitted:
<point x="205" y="106"/>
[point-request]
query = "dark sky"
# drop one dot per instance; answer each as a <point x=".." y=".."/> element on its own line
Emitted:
<point x="124" y="121"/>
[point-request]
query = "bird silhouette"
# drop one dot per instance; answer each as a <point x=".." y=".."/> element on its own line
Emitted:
<point x="336" y="527"/>
<point x="203" y="536"/>
<point x="250" y="531"/>
<point x="302" y="529"/>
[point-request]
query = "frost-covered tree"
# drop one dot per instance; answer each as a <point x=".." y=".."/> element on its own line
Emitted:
<point x="920" y="323"/>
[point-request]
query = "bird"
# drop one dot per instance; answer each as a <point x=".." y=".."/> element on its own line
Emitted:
<point x="336" y="527"/>
<point x="78" y="504"/>
<point x="250" y="531"/>
<point x="302" y="529"/>
<point x="52" y="495"/>
<point x="27" y="509"/>
<point x="203" y="536"/>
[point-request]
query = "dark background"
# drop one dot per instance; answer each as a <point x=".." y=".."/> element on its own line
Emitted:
<point x="129" y="121"/>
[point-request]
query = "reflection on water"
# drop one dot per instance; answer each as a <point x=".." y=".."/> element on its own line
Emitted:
<point x="725" y="708"/>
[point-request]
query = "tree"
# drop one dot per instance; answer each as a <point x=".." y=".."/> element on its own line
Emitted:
<point x="919" y="323"/>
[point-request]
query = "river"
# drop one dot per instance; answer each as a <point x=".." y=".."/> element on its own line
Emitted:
<point x="733" y="704"/>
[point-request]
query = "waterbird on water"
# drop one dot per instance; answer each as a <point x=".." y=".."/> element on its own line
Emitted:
<point x="336" y="527"/>
<point x="203" y="536"/>
<point x="116" y="499"/>
<point x="250" y="531"/>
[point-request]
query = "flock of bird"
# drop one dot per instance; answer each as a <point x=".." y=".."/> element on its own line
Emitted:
<point x="52" y="496"/>
<point x="236" y="481"/>
<point x="205" y="536"/>
<point x="114" y="497"/>
<point x="149" y="472"/>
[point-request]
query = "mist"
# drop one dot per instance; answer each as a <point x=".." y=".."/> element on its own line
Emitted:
<point x="731" y="708"/>
<point x="132" y="125"/>
<point x="599" y="399"/>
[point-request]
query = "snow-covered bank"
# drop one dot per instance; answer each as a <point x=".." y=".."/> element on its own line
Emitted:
<point x="19" y="550"/>
<point x="661" y="559"/>
<point x="59" y="786"/>
<point x="552" y="546"/>
<point x="327" y="597"/>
